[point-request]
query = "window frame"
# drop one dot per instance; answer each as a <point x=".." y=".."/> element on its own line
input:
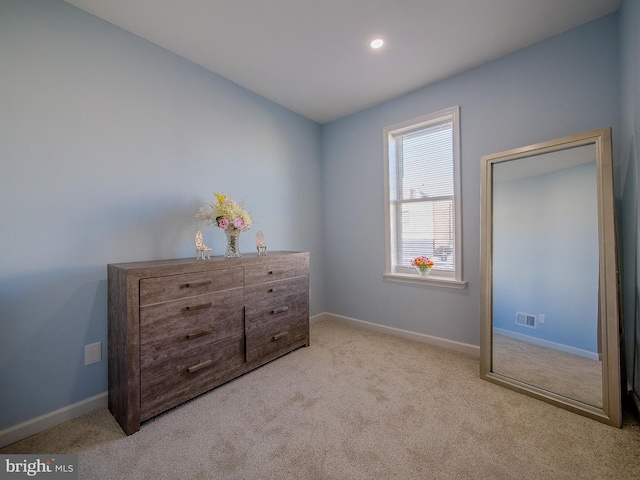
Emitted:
<point x="396" y="273"/>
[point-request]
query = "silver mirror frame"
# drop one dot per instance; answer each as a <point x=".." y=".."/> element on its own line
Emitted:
<point x="609" y="314"/>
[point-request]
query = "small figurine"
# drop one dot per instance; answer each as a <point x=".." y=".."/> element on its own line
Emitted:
<point x="202" y="251"/>
<point x="260" y="245"/>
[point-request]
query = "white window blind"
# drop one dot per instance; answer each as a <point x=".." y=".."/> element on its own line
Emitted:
<point x="423" y="193"/>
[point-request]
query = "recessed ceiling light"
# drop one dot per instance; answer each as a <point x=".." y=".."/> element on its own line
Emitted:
<point x="377" y="43"/>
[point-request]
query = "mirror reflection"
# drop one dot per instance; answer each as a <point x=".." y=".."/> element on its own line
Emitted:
<point x="550" y="314"/>
<point x="545" y="273"/>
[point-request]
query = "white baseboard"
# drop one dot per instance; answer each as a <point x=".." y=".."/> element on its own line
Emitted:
<point x="44" y="422"/>
<point x="546" y="343"/>
<point x="398" y="332"/>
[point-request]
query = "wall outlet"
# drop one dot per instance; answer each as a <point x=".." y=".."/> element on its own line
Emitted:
<point x="93" y="353"/>
<point x="541" y="318"/>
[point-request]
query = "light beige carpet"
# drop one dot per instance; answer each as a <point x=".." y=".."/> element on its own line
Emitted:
<point x="354" y="405"/>
<point x="570" y="375"/>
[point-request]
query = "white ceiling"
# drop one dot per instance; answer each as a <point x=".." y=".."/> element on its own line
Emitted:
<point x="313" y="56"/>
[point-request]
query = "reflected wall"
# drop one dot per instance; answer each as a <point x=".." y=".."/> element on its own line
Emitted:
<point x="545" y="278"/>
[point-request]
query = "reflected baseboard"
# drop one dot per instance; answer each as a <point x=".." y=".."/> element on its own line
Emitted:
<point x="546" y="343"/>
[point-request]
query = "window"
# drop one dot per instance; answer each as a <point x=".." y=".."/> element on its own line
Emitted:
<point x="422" y="198"/>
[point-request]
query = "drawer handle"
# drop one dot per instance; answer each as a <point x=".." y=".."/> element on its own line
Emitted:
<point x="279" y="336"/>
<point x="279" y="310"/>
<point x="199" y="366"/>
<point x="201" y="333"/>
<point x="277" y="289"/>
<point x="196" y="284"/>
<point x="198" y="307"/>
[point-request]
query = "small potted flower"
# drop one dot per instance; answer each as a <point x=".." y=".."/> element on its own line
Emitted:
<point x="423" y="265"/>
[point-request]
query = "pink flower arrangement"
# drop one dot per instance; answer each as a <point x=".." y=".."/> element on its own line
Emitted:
<point x="423" y="265"/>
<point x="422" y="262"/>
<point x="226" y="214"/>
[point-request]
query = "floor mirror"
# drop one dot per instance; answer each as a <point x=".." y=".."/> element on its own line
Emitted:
<point x="550" y="306"/>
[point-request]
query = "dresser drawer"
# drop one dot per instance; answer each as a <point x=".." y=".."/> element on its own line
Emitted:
<point x="174" y="287"/>
<point x="177" y="380"/>
<point x="265" y="304"/>
<point x="267" y="292"/>
<point x="277" y="339"/>
<point x="174" y="328"/>
<point x="277" y="269"/>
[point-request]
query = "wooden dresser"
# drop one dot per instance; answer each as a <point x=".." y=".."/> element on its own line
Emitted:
<point x="178" y="328"/>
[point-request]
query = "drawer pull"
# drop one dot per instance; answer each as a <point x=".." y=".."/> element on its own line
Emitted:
<point x="279" y="336"/>
<point x="199" y="366"/>
<point x="196" y="284"/>
<point x="277" y="289"/>
<point x="198" y="307"/>
<point x="279" y="310"/>
<point x="201" y="333"/>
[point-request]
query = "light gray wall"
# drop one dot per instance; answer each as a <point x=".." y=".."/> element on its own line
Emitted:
<point x="108" y="147"/>
<point x="545" y="255"/>
<point x="629" y="222"/>
<point x="563" y="86"/>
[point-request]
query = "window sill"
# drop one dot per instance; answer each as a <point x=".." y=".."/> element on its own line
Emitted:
<point x="416" y="280"/>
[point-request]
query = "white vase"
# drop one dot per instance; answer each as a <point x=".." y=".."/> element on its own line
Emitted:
<point x="423" y="271"/>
